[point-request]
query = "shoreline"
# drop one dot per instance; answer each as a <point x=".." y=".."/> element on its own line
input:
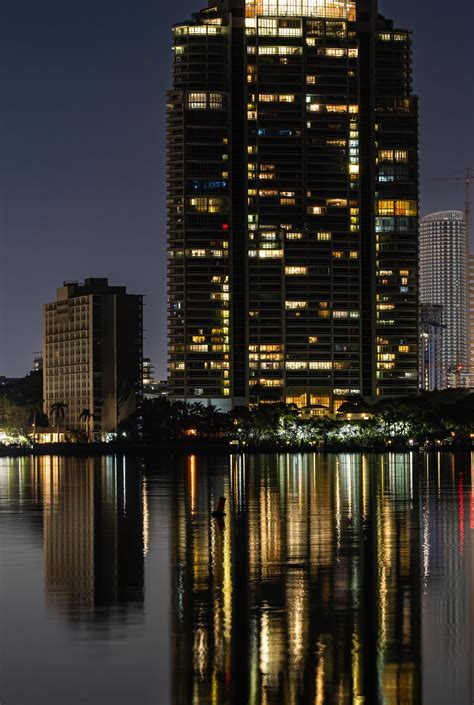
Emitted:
<point x="217" y="447"/>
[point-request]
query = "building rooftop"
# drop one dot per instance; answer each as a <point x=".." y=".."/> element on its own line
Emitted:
<point x="92" y="285"/>
<point x="443" y="215"/>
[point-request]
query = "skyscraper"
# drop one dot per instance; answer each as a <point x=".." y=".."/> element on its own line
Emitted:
<point x="292" y="204"/>
<point x="443" y="281"/>
<point x="93" y="354"/>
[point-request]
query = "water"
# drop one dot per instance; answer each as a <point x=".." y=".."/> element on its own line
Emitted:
<point x="338" y="579"/>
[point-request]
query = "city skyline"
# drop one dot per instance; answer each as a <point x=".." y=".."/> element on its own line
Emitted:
<point x="83" y="143"/>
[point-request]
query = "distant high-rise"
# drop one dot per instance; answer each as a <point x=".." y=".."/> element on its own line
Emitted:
<point x="443" y="281"/>
<point x="292" y="204"/>
<point x="93" y="353"/>
<point x="38" y="362"/>
<point x="470" y="305"/>
<point x="431" y="347"/>
<point x="148" y="372"/>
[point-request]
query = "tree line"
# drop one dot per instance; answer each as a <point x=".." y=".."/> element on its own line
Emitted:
<point x="429" y="417"/>
<point x="425" y="418"/>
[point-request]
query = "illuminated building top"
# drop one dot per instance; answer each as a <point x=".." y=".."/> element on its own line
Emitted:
<point x="344" y="9"/>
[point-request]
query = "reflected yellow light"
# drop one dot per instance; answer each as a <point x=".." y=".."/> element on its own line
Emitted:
<point x="192" y="481"/>
<point x="146" y="517"/>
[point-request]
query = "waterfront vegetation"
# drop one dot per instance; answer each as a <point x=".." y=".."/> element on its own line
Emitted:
<point x="428" y="418"/>
<point x="445" y="417"/>
<point x="21" y="406"/>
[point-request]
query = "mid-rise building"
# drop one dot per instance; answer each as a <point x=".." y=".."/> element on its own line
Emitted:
<point x="470" y="313"/>
<point x="148" y="372"/>
<point x="460" y="379"/>
<point x="443" y="265"/>
<point x="292" y="204"/>
<point x="431" y="347"/>
<point x="93" y="354"/>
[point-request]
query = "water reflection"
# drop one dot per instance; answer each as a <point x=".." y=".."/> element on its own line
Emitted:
<point x="316" y="589"/>
<point x="338" y="579"/>
<point x="93" y="533"/>
<point x="448" y="581"/>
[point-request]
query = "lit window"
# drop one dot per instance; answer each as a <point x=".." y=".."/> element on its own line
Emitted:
<point x="316" y="400"/>
<point x="280" y="50"/>
<point x="336" y="202"/>
<point x="320" y="365"/>
<point x="197" y="101"/>
<point x="270" y="254"/>
<point x="299" y="401"/>
<point x="297" y="365"/>
<point x="337" y="9"/>
<point x="297" y="271"/>
<point x="398" y="208"/>
<point x="296" y="304"/>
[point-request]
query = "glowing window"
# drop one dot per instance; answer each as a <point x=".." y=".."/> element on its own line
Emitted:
<point x="291" y="305"/>
<point x="337" y="9"/>
<point x="398" y="208"/>
<point x="297" y="271"/>
<point x="299" y="401"/>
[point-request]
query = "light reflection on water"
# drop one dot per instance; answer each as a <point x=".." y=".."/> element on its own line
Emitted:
<point x="332" y="579"/>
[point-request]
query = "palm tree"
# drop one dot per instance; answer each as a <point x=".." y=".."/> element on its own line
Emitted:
<point x="58" y="412"/>
<point x="38" y="409"/>
<point x="87" y="416"/>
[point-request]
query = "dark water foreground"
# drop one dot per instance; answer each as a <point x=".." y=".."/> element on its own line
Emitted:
<point x="333" y="579"/>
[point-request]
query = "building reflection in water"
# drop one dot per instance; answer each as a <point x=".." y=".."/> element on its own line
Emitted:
<point x="94" y="535"/>
<point x="309" y="593"/>
<point x="332" y="579"/>
<point x="448" y="579"/>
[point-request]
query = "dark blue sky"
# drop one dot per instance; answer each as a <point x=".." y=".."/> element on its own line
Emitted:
<point x="82" y="146"/>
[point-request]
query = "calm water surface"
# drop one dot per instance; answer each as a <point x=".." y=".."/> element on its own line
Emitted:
<point x="332" y="580"/>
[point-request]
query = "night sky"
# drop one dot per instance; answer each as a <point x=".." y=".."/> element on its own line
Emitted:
<point x="82" y="138"/>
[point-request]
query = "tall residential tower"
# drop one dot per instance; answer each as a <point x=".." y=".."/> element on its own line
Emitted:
<point x="443" y="264"/>
<point x="292" y="204"/>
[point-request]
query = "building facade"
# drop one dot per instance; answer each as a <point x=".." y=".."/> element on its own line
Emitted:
<point x="443" y="264"/>
<point x="431" y="347"/>
<point x="292" y="204"/>
<point x="93" y="354"/>
<point x="148" y="372"/>
<point x="470" y="313"/>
